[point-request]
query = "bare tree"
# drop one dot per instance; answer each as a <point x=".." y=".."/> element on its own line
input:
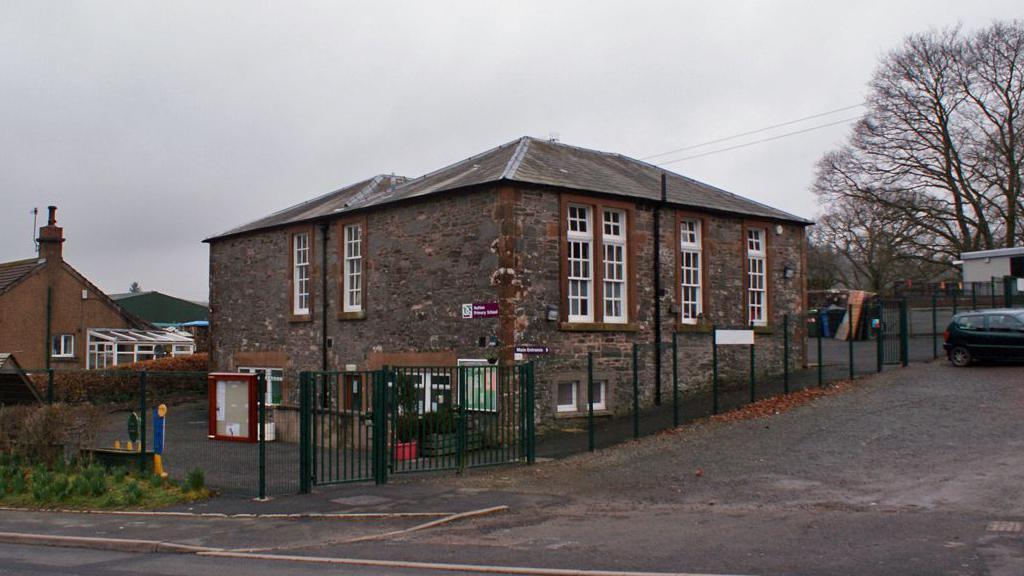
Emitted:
<point x="941" y="147"/>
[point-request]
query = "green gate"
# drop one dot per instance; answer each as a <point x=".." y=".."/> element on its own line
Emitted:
<point x="359" y="426"/>
<point x="892" y="332"/>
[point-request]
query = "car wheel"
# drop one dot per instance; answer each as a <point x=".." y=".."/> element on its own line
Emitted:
<point x="960" y="356"/>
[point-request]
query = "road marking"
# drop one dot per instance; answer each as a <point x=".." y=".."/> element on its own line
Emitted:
<point x="1004" y="526"/>
<point x="424" y="526"/>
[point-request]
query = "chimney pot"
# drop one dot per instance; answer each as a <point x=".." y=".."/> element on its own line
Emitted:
<point x="52" y="221"/>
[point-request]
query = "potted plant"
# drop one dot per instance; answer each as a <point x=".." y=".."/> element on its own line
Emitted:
<point x="407" y="421"/>
<point x="407" y="430"/>
<point x="440" y="433"/>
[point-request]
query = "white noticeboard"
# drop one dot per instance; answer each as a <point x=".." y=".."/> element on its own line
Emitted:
<point x="1020" y="284"/>
<point x="734" y="337"/>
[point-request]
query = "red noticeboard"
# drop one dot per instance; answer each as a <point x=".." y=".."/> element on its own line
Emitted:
<point x="232" y="407"/>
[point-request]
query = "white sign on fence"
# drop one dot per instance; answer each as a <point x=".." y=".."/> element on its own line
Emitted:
<point x="734" y="337"/>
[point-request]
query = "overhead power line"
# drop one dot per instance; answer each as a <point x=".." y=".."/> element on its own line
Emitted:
<point x="745" y="144"/>
<point x="758" y="131"/>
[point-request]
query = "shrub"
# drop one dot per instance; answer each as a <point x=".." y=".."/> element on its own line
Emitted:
<point x="407" y="427"/>
<point x="132" y="493"/>
<point x="195" y="480"/>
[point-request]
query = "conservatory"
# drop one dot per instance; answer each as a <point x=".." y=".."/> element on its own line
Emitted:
<point x="113" y="346"/>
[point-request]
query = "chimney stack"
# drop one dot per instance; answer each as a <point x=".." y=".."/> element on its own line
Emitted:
<point x="51" y="238"/>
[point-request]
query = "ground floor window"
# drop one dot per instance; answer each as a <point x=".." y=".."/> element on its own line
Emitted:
<point x="63" y="346"/>
<point x="597" y="394"/>
<point x="273" y="377"/>
<point x="567" y="396"/>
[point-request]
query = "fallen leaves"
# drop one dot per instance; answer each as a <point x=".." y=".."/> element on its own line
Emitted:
<point x="779" y="404"/>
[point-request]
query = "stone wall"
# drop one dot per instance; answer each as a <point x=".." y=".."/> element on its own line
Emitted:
<point x="425" y="258"/>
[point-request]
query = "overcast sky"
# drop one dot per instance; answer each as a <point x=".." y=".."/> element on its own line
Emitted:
<point x="152" y="125"/>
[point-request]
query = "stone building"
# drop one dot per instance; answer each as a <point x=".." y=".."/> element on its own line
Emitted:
<point x="51" y="316"/>
<point x="569" y="245"/>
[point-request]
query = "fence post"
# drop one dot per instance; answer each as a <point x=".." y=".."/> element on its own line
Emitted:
<point x="304" y="434"/>
<point x="531" y="427"/>
<point x="49" y="385"/>
<point x="590" y="401"/>
<point x="904" y="334"/>
<point x="785" y="353"/>
<point x="935" y="326"/>
<point x="821" y="360"/>
<point x="956" y="292"/>
<point x="461" y="442"/>
<point x="974" y="296"/>
<point x="1008" y="292"/>
<point x="753" y="395"/>
<point x="380" y="423"/>
<point x="675" y="380"/>
<point x="261" y="403"/>
<point x="142" y="421"/>
<point x="880" y="337"/>
<point x="714" y="370"/>
<point x="636" y="395"/>
<point x="992" y="290"/>
<point x="849" y="341"/>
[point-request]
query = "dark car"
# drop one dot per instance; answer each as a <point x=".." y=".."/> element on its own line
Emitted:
<point x="985" y="335"/>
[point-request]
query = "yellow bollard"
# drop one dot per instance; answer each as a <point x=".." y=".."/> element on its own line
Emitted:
<point x="158" y="466"/>
<point x="130" y="448"/>
<point x="117" y="444"/>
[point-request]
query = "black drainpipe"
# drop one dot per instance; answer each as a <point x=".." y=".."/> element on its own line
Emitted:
<point x="323" y="296"/>
<point x="657" y="292"/>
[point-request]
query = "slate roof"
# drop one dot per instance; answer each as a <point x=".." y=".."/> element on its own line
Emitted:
<point x="530" y="161"/>
<point x="12" y="272"/>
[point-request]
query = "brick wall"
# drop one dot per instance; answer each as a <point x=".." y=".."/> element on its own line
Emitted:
<point x="23" y="317"/>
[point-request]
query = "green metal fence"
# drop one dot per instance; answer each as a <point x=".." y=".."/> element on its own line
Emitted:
<point x="357" y="426"/>
<point x="267" y="466"/>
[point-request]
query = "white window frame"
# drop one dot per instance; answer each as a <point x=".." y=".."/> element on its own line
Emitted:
<point x="352" y="279"/>
<point x="757" y="276"/>
<point x="269" y="377"/>
<point x="614" y="238"/>
<point x="101" y="355"/>
<point x="300" y="273"/>
<point x="573" y="407"/>
<point x="62" y="346"/>
<point x="580" y="263"/>
<point x="691" y="259"/>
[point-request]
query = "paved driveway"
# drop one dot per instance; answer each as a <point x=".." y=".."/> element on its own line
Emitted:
<point x="917" y="471"/>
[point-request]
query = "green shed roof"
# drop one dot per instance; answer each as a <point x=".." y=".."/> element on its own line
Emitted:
<point x="160" y="308"/>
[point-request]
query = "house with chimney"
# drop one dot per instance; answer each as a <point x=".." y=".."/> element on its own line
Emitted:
<point x="52" y="316"/>
<point x="531" y="250"/>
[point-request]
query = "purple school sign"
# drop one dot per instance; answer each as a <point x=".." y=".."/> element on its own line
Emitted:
<point x="480" y="310"/>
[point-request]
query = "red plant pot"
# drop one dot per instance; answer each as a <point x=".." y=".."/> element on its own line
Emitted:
<point x="404" y="450"/>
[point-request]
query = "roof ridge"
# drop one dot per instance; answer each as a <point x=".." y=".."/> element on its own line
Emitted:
<point x="516" y="159"/>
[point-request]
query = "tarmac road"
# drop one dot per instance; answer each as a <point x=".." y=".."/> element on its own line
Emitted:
<point x="914" y="471"/>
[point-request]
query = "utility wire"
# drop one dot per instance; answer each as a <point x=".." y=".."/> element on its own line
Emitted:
<point x="758" y="131"/>
<point x="744" y="145"/>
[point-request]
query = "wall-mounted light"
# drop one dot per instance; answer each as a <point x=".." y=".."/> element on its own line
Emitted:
<point x="551" y="312"/>
<point x="778" y="229"/>
<point x="788" y="272"/>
